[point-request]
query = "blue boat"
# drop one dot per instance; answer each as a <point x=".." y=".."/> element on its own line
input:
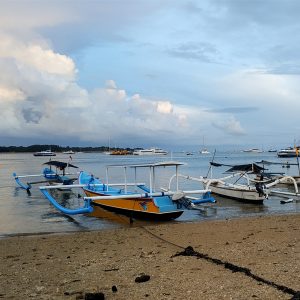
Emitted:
<point x="135" y="200"/>
<point x="48" y="175"/>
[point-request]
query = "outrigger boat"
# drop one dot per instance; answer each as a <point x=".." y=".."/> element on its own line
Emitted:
<point x="252" y="190"/>
<point x="50" y="176"/>
<point x="285" y="179"/>
<point x="135" y="200"/>
<point x="256" y="187"/>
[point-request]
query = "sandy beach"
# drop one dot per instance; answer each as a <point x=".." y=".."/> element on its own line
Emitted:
<point x="253" y="258"/>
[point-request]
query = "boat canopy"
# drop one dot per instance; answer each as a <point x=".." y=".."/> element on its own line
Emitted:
<point x="149" y="165"/>
<point x="265" y="162"/>
<point x="246" y="168"/>
<point x="240" y="168"/>
<point x="59" y="164"/>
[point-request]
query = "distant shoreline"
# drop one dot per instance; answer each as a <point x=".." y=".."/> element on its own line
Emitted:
<point x="57" y="148"/>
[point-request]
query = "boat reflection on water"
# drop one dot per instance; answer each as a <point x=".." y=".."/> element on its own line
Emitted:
<point x="119" y="219"/>
<point x="226" y="204"/>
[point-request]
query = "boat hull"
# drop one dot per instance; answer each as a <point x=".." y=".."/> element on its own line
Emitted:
<point x="142" y="208"/>
<point x="288" y="155"/>
<point x="250" y="196"/>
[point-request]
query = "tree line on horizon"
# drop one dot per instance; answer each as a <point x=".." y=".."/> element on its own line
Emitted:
<point x="57" y="148"/>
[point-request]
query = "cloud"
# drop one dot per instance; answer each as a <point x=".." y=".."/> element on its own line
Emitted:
<point x="160" y="71"/>
<point x="230" y="126"/>
<point x="164" y="107"/>
<point x="39" y="96"/>
<point x="36" y="57"/>
<point x="259" y="88"/>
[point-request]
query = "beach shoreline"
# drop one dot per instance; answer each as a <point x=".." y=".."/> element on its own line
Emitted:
<point x="70" y="265"/>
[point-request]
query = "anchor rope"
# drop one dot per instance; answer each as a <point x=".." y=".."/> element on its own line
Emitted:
<point x="189" y="251"/>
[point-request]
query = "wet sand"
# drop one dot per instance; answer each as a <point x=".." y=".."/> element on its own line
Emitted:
<point x="253" y="258"/>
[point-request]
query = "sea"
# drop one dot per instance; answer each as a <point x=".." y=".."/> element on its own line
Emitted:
<point x="28" y="214"/>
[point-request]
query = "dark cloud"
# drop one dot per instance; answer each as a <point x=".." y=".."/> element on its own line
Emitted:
<point x="204" y="52"/>
<point x="233" y="110"/>
<point x="192" y="7"/>
<point x="32" y="116"/>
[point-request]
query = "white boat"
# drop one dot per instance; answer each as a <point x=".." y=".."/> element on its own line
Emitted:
<point x="288" y="152"/>
<point x="69" y="152"/>
<point x="251" y="190"/>
<point x="254" y="189"/>
<point x="204" y="151"/>
<point x="253" y="150"/>
<point x="151" y="151"/>
<point x="44" y="153"/>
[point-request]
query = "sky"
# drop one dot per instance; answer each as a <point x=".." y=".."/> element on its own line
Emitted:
<point x="138" y="73"/>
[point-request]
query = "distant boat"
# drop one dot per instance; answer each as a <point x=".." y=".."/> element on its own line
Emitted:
<point x="69" y="152"/>
<point x="44" y="153"/>
<point x="119" y="152"/>
<point x="255" y="150"/>
<point x="288" y="152"/>
<point x="272" y="150"/>
<point x="204" y="151"/>
<point x="151" y="151"/>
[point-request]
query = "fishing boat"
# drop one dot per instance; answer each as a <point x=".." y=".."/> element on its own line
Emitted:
<point x="44" y="153"/>
<point x="151" y="151"/>
<point x="256" y="186"/>
<point x="54" y="173"/>
<point x="135" y="200"/>
<point x="249" y="190"/>
<point x="285" y="179"/>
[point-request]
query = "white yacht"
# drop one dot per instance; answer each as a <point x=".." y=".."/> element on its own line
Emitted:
<point x="69" y="152"/>
<point x="44" y="153"/>
<point x="288" y="152"/>
<point x="151" y="151"/>
<point x="204" y="151"/>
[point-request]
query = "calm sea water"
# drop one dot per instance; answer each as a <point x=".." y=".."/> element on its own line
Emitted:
<point x="21" y="213"/>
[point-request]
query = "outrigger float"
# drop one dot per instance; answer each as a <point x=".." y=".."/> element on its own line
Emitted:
<point x="136" y="200"/>
<point x="50" y="176"/>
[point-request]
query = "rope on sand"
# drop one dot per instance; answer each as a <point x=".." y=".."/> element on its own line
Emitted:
<point x="189" y="251"/>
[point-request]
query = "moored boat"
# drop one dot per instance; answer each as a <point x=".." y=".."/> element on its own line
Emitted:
<point x="257" y="185"/>
<point x="69" y="152"/>
<point x="251" y="190"/>
<point x="253" y="150"/>
<point x="136" y="200"/>
<point x="151" y="151"/>
<point x="288" y="152"/>
<point x="44" y="153"/>
<point x="48" y="175"/>
<point x="204" y="151"/>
